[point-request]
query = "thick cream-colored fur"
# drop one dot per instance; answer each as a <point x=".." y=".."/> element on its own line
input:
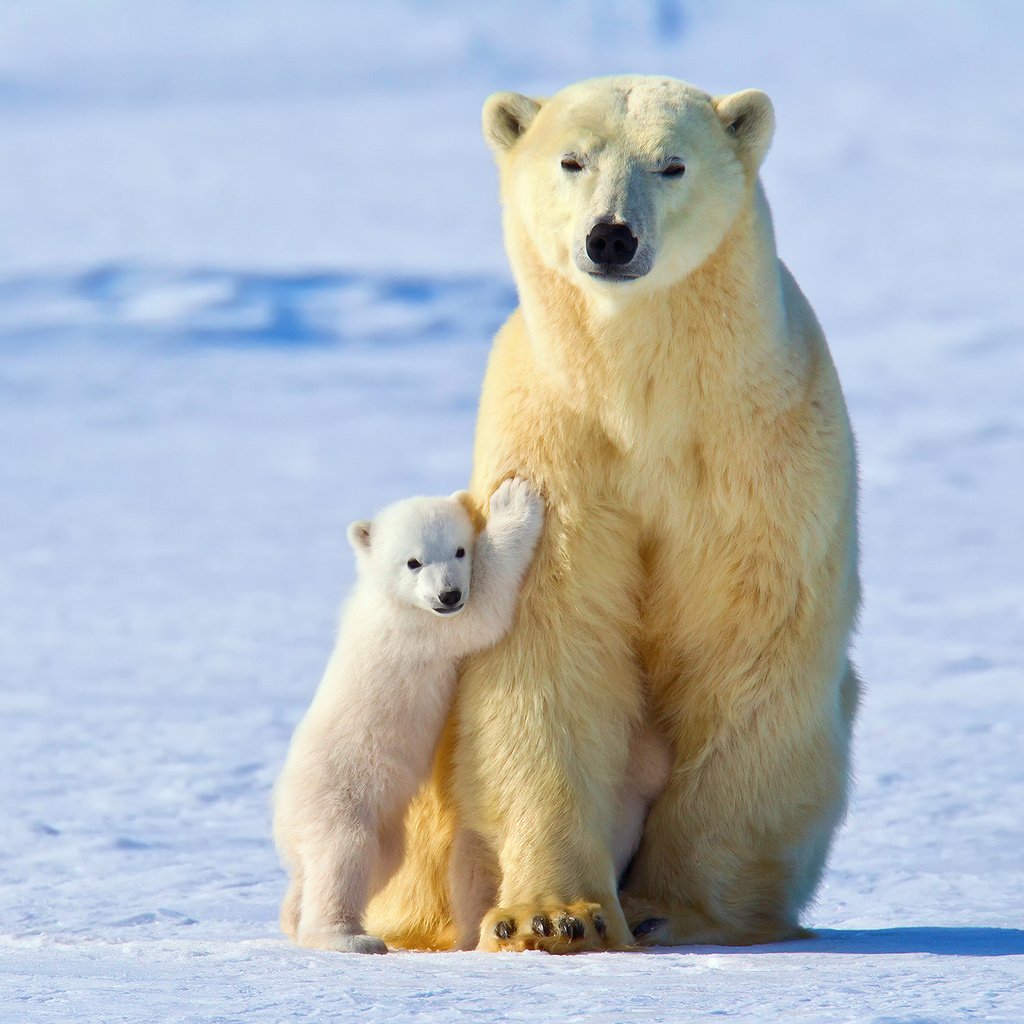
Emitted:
<point x="367" y="742"/>
<point x="474" y="871"/>
<point x="699" y="562"/>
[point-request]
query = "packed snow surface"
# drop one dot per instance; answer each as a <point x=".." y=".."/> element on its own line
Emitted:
<point x="250" y="264"/>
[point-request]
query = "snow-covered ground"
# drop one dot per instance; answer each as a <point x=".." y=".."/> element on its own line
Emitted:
<point x="250" y="262"/>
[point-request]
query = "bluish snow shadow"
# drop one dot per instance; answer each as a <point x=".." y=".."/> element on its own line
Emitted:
<point x="888" y="942"/>
<point x="238" y="308"/>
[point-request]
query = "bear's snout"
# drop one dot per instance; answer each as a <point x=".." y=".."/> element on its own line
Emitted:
<point x="611" y="244"/>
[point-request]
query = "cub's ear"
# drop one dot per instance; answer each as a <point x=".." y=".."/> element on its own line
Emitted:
<point x="748" y="117"/>
<point x="465" y="499"/>
<point x="506" y="117"/>
<point x="359" y="536"/>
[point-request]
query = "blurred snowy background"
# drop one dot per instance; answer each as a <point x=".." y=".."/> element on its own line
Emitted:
<point x="250" y="264"/>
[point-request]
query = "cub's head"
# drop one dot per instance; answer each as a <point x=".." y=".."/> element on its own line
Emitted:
<point x="625" y="184"/>
<point x="419" y="552"/>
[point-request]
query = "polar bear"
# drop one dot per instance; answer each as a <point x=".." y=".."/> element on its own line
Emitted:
<point x="667" y="385"/>
<point x="428" y="592"/>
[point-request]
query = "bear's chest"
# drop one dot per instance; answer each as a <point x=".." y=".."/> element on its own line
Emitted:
<point x="715" y="525"/>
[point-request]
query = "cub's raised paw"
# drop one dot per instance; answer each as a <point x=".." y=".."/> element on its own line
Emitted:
<point x="573" y="928"/>
<point x="342" y="942"/>
<point x="517" y="500"/>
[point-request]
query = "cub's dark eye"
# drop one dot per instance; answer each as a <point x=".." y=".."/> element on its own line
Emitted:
<point x="461" y="553"/>
<point x="571" y="164"/>
<point x="675" y="170"/>
<point x="413" y="564"/>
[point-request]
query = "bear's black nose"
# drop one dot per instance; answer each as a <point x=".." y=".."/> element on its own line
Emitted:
<point x="612" y="244"/>
<point x="450" y="597"/>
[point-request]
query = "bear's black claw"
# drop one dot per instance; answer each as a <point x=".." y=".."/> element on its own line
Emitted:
<point x="542" y="925"/>
<point x="505" y="929"/>
<point x="600" y="925"/>
<point x="571" y="927"/>
<point x="648" y="926"/>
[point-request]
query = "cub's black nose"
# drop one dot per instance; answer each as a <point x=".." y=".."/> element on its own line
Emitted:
<point x="612" y="244"/>
<point x="450" y="597"/>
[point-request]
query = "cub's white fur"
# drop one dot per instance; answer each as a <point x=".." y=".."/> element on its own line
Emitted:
<point x="429" y="591"/>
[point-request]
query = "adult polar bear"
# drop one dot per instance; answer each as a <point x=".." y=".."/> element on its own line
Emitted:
<point x="666" y="384"/>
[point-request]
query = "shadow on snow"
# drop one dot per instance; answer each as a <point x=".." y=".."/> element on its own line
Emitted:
<point x="888" y="942"/>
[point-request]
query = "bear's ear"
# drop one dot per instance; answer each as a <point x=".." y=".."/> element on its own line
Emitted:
<point x="749" y="117"/>
<point x="359" y="536"/>
<point x="465" y="499"/>
<point x="506" y="117"/>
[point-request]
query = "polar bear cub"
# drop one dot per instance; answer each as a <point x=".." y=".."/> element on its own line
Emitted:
<point x="429" y="591"/>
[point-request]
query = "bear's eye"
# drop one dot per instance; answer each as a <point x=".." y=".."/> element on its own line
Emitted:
<point x="674" y="170"/>
<point x="571" y="164"/>
<point x="461" y="553"/>
<point x="413" y="564"/>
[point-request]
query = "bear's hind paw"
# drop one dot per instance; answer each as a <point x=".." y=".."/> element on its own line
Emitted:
<point x="654" y="925"/>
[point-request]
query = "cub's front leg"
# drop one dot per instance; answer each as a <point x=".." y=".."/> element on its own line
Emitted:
<point x="501" y="557"/>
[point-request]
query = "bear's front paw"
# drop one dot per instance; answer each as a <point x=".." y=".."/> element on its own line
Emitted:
<point x="579" y="927"/>
<point x="517" y="503"/>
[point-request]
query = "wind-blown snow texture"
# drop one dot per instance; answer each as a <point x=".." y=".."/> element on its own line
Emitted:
<point x="250" y="263"/>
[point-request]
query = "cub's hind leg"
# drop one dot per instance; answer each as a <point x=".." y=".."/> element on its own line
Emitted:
<point x="338" y="869"/>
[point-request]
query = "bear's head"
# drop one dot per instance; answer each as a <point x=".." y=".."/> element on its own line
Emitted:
<point x="625" y="184"/>
<point x="418" y="552"/>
